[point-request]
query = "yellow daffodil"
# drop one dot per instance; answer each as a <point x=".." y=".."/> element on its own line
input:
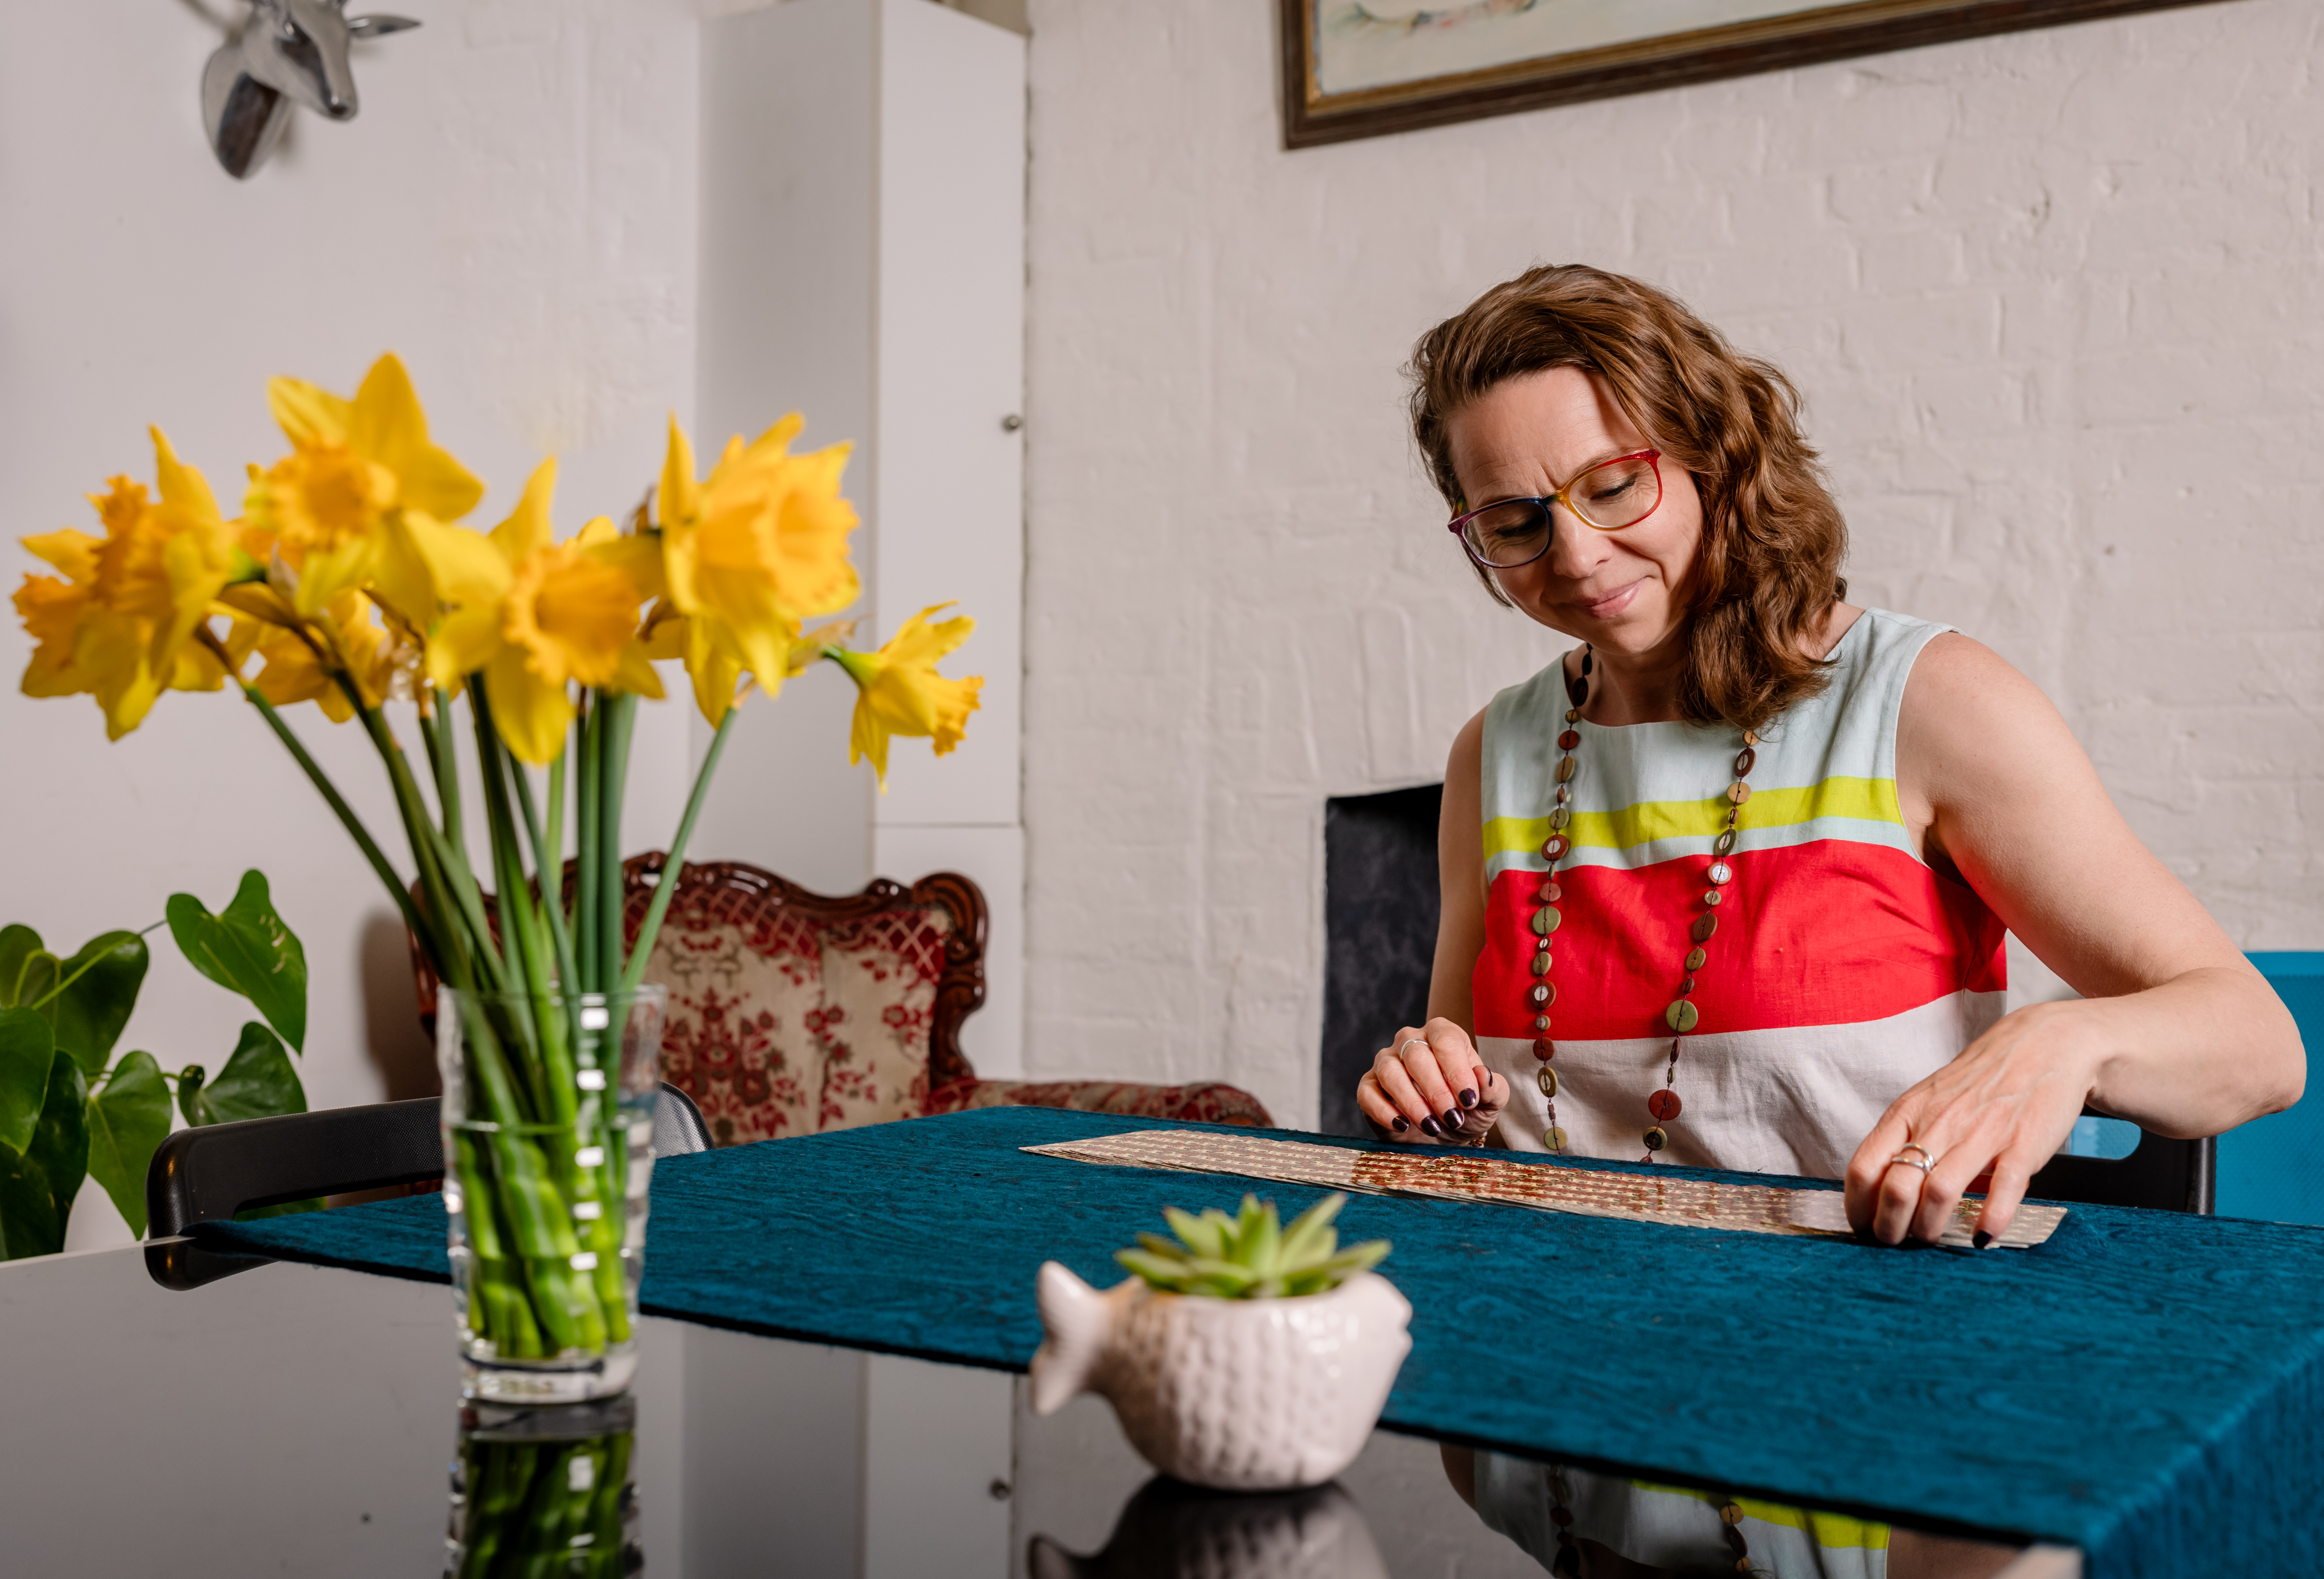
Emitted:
<point x="301" y="654"/>
<point x="750" y="554"/>
<point x="51" y="609"/>
<point x="340" y="509"/>
<point x="534" y="616"/>
<point x="900" y="691"/>
<point x="118" y="627"/>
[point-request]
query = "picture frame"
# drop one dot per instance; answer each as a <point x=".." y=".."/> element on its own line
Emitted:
<point x="1369" y="68"/>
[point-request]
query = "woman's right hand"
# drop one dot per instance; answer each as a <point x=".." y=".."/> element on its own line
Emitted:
<point x="1430" y="1085"/>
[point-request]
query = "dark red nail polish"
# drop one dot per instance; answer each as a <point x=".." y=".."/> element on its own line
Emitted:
<point x="1401" y="1124"/>
<point x="1981" y="1239"/>
<point x="1429" y="1125"/>
<point x="1468" y="1099"/>
<point x="1452" y="1118"/>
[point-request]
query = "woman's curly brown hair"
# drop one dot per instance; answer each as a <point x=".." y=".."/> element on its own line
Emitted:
<point x="1768" y="572"/>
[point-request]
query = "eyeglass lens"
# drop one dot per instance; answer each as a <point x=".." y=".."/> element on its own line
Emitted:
<point x="1620" y="494"/>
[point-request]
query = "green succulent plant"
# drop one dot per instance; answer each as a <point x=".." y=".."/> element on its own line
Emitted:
<point x="1251" y="1256"/>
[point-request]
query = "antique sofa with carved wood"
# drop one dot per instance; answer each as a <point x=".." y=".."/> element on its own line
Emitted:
<point x="792" y="1013"/>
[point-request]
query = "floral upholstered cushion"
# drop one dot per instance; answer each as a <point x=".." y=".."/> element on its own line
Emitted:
<point x="742" y="1037"/>
<point x="783" y="1021"/>
<point x="879" y="1000"/>
<point x="779" y="1028"/>
<point x="1205" y="1102"/>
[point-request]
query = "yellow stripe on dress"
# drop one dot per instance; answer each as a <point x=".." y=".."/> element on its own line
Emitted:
<point x="1829" y="1531"/>
<point x="1859" y="799"/>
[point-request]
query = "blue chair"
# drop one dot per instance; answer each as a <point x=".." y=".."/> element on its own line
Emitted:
<point x="2273" y="1168"/>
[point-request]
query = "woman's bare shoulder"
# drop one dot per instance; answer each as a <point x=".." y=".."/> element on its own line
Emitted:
<point x="1468" y="754"/>
<point x="1958" y="682"/>
<point x="1972" y="728"/>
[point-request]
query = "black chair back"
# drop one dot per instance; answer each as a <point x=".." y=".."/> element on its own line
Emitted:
<point x="2163" y="1174"/>
<point x="678" y="1125"/>
<point x="211" y="1173"/>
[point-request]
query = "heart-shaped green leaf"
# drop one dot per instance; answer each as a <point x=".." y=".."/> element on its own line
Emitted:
<point x="100" y="989"/>
<point x="126" y="1120"/>
<point x="257" y="1083"/>
<point x="247" y="948"/>
<point x="36" y="978"/>
<point x="25" y="1049"/>
<point x="18" y="944"/>
<point x="37" y="1188"/>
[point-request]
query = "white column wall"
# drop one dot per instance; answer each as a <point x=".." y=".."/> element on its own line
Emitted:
<point x="951" y="355"/>
<point x="2051" y="297"/>
<point x="864" y="262"/>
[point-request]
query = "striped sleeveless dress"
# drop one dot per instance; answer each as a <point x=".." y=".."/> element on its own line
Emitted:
<point x="1844" y="968"/>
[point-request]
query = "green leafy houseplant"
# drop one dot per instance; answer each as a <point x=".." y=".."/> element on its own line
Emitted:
<point x="70" y="1110"/>
<point x="1250" y="1255"/>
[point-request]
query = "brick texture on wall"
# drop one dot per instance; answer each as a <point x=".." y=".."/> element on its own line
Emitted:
<point x="2052" y="300"/>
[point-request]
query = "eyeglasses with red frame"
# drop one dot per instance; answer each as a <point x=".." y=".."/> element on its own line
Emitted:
<point x="1608" y="496"/>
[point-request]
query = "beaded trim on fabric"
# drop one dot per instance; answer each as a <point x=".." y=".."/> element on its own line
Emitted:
<point x="1467" y="1175"/>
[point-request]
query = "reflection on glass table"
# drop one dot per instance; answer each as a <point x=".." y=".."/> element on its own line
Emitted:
<point x="306" y="1421"/>
<point x="544" y="1493"/>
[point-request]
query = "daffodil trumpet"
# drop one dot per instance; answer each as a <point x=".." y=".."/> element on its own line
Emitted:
<point x="350" y="580"/>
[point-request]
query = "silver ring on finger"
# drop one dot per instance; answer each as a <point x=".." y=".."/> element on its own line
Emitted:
<point x="1410" y="1041"/>
<point x="1926" y="1161"/>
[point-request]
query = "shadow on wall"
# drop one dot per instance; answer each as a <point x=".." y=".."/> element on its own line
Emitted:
<point x="398" y="1049"/>
<point x="1381" y="902"/>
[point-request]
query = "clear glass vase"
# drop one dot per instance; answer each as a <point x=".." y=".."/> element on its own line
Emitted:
<point x="548" y="1105"/>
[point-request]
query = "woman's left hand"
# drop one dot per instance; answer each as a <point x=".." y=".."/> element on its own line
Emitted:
<point x="2004" y="1107"/>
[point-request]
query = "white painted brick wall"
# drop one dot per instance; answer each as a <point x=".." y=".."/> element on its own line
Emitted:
<point x="2052" y="300"/>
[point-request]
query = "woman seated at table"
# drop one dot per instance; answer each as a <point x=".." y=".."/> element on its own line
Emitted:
<point x="1749" y="852"/>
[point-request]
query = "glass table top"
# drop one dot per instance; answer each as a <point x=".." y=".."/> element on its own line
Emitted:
<point x="306" y="1420"/>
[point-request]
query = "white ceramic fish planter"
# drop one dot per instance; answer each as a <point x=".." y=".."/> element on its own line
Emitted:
<point x="1247" y="1395"/>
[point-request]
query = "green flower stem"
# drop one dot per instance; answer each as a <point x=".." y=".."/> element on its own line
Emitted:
<point x="621" y="717"/>
<point x="674" y="862"/>
<point x="585" y="925"/>
<point x="439" y="869"/>
<point x="445" y="758"/>
<point x="548" y="866"/>
<point x="553" y="860"/>
<point x="488" y="1061"/>
<point x="450" y="884"/>
<point x="475" y="961"/>
<point x="499" y="1308"/>
<point x="537" y="1027"/>
<point x="420" y="831"/>
<point x="429" y="943"/>
<point x="427" y="738"/>
<point x="602" y="1184"/>
<point x="540" y="1225"/>
<point x="538" y="1176"/>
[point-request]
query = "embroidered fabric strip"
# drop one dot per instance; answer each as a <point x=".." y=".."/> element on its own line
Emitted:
<point x="1471" y="1176"/>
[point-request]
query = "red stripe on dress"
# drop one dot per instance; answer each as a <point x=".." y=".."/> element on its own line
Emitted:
<point x="1829" y="933"/>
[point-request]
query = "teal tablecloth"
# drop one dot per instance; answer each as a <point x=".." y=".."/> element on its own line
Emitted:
<point x="2146" y="1386"/>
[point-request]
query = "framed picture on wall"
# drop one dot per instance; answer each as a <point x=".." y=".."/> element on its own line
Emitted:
<point x="1364" y="68"/>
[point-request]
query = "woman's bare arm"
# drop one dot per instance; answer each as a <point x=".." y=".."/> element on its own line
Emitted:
<point x="2176" y="1030"/>
<point x="1429" y="1083"/>
<point x="1461" y="881"/>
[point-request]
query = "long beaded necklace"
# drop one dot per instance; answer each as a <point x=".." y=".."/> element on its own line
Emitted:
<point x="1681" y="1016"/>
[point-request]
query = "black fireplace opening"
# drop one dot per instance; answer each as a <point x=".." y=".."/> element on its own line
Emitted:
<point x="1379" y="934"/>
